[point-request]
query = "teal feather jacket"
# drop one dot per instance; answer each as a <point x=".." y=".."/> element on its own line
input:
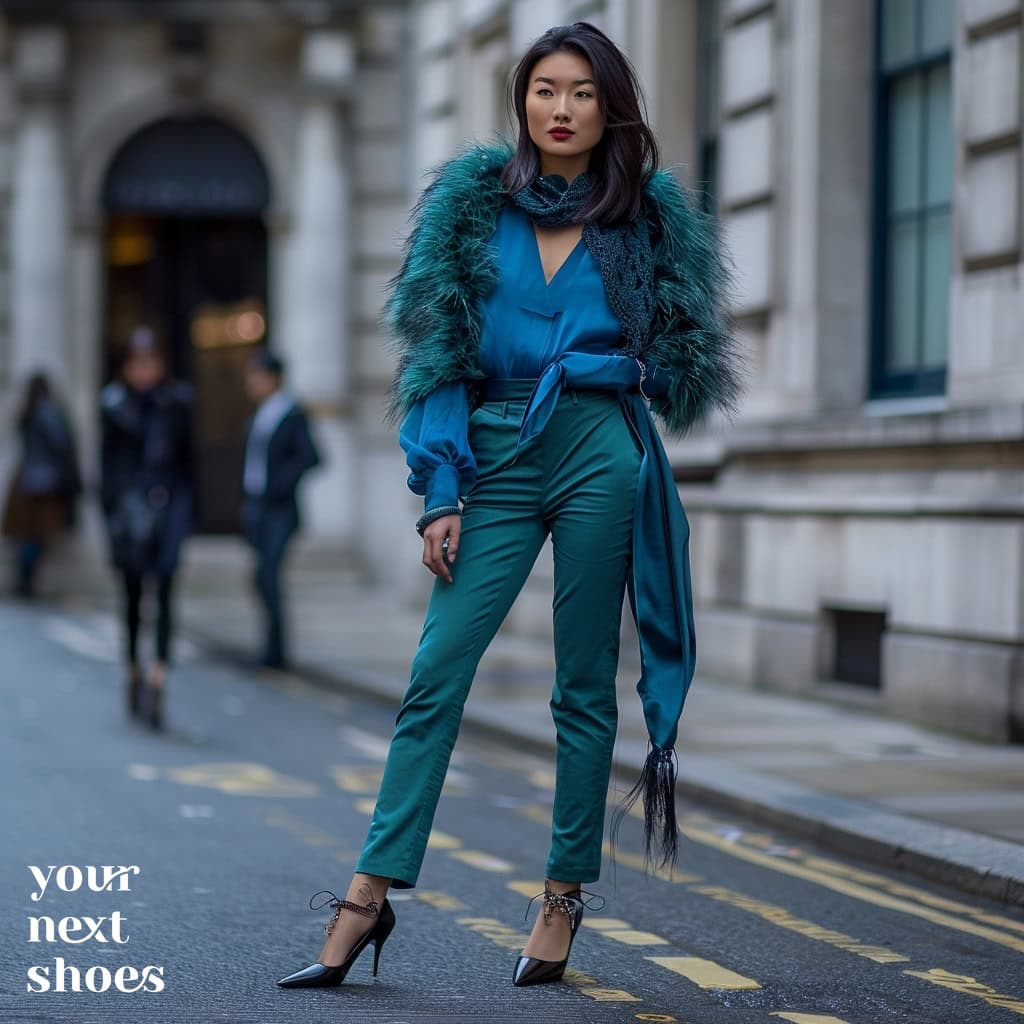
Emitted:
<point x="448" y="266"/>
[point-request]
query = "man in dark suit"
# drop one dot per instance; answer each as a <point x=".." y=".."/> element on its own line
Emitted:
<point x="279" y="450"/>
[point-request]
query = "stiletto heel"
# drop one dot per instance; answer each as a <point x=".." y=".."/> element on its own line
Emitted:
<point x="529" y="970"/>
<point x="318" y="975"/>
<point x="378" y="945"/>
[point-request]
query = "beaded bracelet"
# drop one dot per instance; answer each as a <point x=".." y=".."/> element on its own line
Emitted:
<point x="436" y="513"/>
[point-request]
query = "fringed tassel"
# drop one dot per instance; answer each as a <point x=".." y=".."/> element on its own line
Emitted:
<point x="657" y="787"/>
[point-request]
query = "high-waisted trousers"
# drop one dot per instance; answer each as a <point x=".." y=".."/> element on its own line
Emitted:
<point x="577" y="482"/>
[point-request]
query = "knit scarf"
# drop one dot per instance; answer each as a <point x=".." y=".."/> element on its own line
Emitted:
<point x="622" y="253"/>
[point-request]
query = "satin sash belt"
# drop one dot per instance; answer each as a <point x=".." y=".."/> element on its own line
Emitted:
<point x="660" y="592"/>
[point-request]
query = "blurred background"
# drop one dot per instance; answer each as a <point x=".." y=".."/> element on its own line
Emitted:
<point x="239" y="173"/>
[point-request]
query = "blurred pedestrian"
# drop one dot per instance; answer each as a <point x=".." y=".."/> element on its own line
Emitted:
<point x="547" y="294"/>
<point x="45" y="486"/>
<point x="279" y="451"/>
<point x="147" y="491"/>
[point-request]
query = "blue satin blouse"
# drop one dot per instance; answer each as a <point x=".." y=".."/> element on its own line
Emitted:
<point x="526" y="324"/>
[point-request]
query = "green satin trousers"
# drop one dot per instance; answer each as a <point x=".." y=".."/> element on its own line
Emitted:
<point x="577" y="482"/>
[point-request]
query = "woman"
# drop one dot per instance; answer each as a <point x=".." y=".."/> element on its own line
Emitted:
<point x="545" y="295"/>
<point x="40" y="502"/>
<point x="147" y="495"/>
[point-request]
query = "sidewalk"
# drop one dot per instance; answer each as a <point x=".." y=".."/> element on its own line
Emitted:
<point x="948" y="808"/>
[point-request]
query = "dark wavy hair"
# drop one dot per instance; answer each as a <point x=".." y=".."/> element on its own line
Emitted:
<point x="623" y="161"/>
<point x="37" y="391"/>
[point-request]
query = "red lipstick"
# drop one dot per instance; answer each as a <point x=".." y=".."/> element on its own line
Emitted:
<point x="560" y="134"/>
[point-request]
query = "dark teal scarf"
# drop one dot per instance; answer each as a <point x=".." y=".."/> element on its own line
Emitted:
<point x="622" y="253"/>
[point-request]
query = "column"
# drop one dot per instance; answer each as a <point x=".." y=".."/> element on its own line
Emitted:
<point x="313" y="319"/>
<point x="39" y="215"/>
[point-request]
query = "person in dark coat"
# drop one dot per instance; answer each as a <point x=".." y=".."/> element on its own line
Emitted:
<point x="147" y="491"/>
<point x="279" y="450"/>
<point x="41" y="497"/>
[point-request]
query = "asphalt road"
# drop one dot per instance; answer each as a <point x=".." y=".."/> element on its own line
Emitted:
<point x="257" y="794"/>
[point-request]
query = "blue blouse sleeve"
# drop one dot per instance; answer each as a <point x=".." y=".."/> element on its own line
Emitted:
<point x="435" y="438"/>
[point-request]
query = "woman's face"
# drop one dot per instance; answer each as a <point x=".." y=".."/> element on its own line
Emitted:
<point x="563" y="116"/>
<point x="144" y="370"/>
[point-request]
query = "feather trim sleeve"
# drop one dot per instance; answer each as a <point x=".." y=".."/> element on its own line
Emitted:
<point x="691" y="334"/>
<point x="432" y="308"/>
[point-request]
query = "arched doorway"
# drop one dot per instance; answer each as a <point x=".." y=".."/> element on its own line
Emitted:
<point x="186" y="252"/>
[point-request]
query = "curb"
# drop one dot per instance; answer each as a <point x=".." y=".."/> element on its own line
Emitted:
<point x="967" y="861"/>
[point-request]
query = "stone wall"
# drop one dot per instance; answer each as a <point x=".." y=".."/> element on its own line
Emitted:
<point x="987" y="356"/>
<point x="819" y="500"/>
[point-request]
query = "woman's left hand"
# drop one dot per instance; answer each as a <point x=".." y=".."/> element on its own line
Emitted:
<point x="435" y="557"/>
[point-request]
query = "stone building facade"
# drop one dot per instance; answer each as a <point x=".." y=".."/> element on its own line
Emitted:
<point x="857" y="529"/>
<point x="232" y="173"/>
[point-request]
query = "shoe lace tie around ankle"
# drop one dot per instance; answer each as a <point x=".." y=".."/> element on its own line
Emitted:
<point x="372" y="909"/>
<point x="566" y="902"/>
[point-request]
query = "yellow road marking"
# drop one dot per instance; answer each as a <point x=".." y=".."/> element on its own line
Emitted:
<point x="482" y="861"/>
<point x="705" y="973"/>
<point x="541" y="815"/>
<point x="300" y="829"/>
<point x="498" y="933"/>
<point x="365" y="805"/>
<point x="784" y="919"/>
<point x="527" y="889"/>
<point x="852" y="889"/>
<point x="912" y="892"/>
<point x="442" y="841"/>
<point x="808" y="1018"/>
<point x="588" y="987"/>
<point x="876" y="889"/>
<point x="634" y="937"/>
<point x="441" y="900"/>
<point x="971" y="987"/>
<point x="241" y="778"/>
<point x="603" y="923"/>
<point x="662" y="1018"/>
<point x="542" y="778"/>
<point x="357" y="780"/>
<point x="762" y="839"/>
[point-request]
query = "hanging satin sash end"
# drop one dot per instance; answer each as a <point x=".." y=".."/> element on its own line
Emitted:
<point x="657" y="787"/>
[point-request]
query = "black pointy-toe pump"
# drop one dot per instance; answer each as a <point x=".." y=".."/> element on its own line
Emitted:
<point x="318" y="975"/>
<point x="529" y="970"/>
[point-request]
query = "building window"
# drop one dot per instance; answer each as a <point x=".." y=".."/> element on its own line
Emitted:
<point x="913" y="188"/>
<point x="709" y="61"/>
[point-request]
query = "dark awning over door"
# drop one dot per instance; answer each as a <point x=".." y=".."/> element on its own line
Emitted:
<point x="187" y="167"/>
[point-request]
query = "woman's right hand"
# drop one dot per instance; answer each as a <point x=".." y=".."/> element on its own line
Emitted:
<point x="434" y="536"/>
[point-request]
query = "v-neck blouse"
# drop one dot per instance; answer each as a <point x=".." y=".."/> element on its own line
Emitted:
<point x="526" y="324"/>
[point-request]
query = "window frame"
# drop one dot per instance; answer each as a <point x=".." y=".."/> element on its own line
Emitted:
<point x="882" y="382"/>
<point x="709" y="48"/>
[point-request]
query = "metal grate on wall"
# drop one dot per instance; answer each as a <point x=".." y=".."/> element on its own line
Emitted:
<point x="856" y="653"/>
